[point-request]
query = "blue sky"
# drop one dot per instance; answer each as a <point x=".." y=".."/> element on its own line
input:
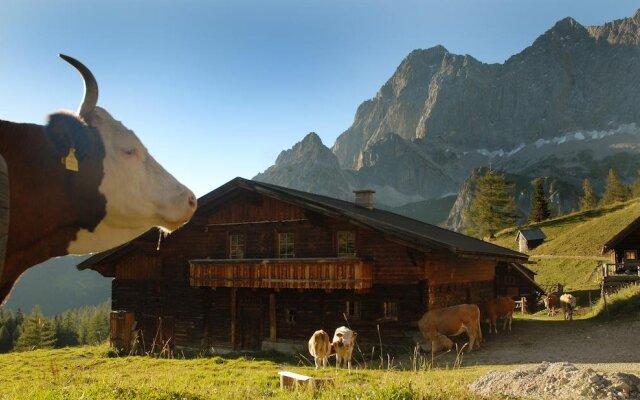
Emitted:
<point x="216" y="89"/>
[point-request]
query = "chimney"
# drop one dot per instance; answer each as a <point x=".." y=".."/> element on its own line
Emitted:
<point x="364" y="198"/>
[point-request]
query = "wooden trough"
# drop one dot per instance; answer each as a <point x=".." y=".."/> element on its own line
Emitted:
<point x="292" y="381"/>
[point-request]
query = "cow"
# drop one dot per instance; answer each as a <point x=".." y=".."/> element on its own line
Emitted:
<point x="451" y="321"/>
<point x="344" y="340"/>
<point x="550" y="303"/>
<point x="320" y="348"/>
<point x="568" y="302"/>
<point x="500" y="307"/>
<point x="81" y="183"/>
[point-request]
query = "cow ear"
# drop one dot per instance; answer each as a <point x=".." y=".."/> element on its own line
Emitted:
<point x="355" y="334"/>
<point x="65" y="132"/>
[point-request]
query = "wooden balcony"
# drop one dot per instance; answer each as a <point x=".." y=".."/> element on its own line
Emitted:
<point x="285" y="273"/>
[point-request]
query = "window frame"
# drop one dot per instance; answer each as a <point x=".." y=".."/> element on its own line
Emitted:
<point x="232" y="247"/>
<point x="354" y="305"/>
<point x="634" y="252"/>
<point x="350" y="244"/>
<point x="292" y="244"/>
<point x="390" y="310"/>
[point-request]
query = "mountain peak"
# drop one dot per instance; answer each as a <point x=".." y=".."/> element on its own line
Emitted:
<point x="624" y="31"/>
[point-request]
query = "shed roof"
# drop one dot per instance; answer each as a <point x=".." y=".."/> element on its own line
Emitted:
<point x="531" y="234"/>
<point x="620" y="236"/>
<point x="416" y="233"/>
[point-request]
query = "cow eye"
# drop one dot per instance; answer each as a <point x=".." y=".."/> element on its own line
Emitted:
<point x="130" y="152"/>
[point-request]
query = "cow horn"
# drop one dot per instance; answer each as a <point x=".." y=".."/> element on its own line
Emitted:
<point x="90" y="86"/>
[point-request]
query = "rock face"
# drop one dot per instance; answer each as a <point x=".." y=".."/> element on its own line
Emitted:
<point x="565" y="108"/>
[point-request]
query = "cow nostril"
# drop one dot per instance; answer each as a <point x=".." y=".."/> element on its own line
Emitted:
<point x="192" y="201"/>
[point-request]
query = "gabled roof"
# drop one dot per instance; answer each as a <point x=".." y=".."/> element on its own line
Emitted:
<point x="531" y="234"/>
<point x="523" y="271"/>
<point x="396" y="226"/>
<point x="418" y="234"/>
<point x="620" y="236"/>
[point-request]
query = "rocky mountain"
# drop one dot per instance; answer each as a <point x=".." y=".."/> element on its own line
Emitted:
<point x="565" y="108"/>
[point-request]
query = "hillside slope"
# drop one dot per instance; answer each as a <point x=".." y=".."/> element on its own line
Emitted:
<point x="571" y="254"/>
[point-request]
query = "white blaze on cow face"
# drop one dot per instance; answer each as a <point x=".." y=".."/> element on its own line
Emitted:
<point x="139" y="192"/>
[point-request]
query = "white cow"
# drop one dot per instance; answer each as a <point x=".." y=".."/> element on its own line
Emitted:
<point x="344" y="340"/>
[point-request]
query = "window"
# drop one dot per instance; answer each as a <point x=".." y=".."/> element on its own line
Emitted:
<point x="390" y="309"/>
<point x="290" y="316"/>
<point x="237" y="244"/>
<point x="352" y="309"/>
<point x="346" y="243"/>
<point x="630" y="255"/>
<point x="286" y="245"/>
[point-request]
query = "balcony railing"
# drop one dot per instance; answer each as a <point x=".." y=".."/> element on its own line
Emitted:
<point x="288" y="273"/>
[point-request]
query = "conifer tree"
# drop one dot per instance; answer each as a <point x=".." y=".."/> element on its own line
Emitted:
<point x="38" y="333"/>
<point x="66" y="330"/>
<point x="614" y="190"/>
<point x="492" y="207"/>
<point x="588" y="200"/>
<point x="539" y="203"/>
<point x="635" y="187"/>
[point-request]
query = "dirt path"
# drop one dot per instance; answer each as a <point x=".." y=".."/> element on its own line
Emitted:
<point x="613" y="345"/>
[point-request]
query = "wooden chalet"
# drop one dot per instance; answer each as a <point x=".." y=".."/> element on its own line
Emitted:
<point x="624" y="250"/>
<point x="262" y="267"/>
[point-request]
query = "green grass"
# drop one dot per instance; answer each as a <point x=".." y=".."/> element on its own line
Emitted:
<point x="572" y="251"/>
<point x="623" y="304"/>
<point x="87" y="373"/>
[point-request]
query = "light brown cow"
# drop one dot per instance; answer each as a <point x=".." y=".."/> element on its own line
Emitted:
<point x="320" y="348"/>
<point x="344" y="340"/>
<point x="501" y="307"/>
<point x="451" y="321"/>
<point x="550" y="303"/>
<point x="568" y="302"/>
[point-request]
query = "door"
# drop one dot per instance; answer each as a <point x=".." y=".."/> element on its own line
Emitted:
<point x="250" y="320"/>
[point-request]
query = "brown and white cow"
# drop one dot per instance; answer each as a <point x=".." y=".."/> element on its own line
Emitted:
<point x="500" y="307"/>
<point x="344" y="339"/>
<point x="451" y="321"/>
<point x="320" y="348"/>
<point x="551" y="303"/>
<point x="81" y="184"/>
<point x="568" y="302"/>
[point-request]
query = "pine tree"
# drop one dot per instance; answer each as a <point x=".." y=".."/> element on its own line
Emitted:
<point x="6" y="340"/>
<point x="98" y="329"/>
<point x="614" y="190"/>
<point x="589" y="200"/>
<point x="38" y="333"/>
<point x="539" y="203"/>
<point x="492" y="207"/>
<point x="635" y="187"/>
<point x="66" y="331"/>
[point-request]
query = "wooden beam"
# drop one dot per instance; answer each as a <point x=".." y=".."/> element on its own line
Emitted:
<point x="272" y="316"/>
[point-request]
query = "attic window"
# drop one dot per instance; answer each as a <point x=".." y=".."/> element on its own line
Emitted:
<point x="346" y="243"/>
<point x="286" y="245"/>
<point x="237" y="245"/>
<point x="630" y="255"/>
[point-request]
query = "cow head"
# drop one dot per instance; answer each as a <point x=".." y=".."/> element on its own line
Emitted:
<point x="137" y="192"/>
<point x="344" y="337"/>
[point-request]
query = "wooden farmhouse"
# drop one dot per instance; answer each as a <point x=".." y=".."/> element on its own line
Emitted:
<point x="624" y="250"/>
<point x="262" y="267"/>
<point x="529" y="239"/>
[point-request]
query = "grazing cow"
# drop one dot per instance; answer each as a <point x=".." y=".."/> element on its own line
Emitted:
<point x="320" y="348"/>
<point x="550" y="303"/>
<point x="568" y="302"/>
<point x="501" y="307"/>
<point x="451" y="321"/>
<point x="344" y="340"/>
<point x="81" y="184"/>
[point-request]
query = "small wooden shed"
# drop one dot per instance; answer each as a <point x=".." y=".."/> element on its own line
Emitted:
<point x="529" y="239"/>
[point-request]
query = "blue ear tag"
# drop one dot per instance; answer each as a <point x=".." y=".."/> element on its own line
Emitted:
<point x="70" y="161"/>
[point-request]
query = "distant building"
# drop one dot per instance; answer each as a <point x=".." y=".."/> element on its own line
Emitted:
<point x="529" y="239"/>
